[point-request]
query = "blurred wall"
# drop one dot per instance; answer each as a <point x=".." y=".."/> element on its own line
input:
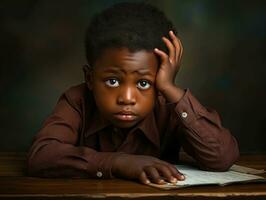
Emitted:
<point x="42" y="53"/>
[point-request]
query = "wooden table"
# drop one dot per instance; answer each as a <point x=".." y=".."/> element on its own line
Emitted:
<point x="14" y="184"/>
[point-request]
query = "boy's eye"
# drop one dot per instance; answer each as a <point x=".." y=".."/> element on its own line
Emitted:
<point x="143" y="84"/>
<point x="112" y="82"/>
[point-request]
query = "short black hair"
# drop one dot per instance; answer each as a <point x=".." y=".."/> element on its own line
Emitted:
<point x="136" y="26"/>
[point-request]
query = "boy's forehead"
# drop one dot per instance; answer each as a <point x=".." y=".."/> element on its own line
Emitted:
<point x="122" y="57"/>
<point x="118" y="54"/>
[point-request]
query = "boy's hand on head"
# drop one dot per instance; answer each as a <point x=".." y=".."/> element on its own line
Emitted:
<point x="170" y="64"/>
<point x="146" y="169"/>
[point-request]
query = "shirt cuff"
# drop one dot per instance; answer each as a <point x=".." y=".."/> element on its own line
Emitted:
<point x="104" y="161"/>
<point x="188" y="109"/>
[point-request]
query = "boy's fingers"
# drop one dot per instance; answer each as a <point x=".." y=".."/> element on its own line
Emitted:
<point x="178" y="46"/>
<point x="181" y="51"/>
<point x="154" y="175"/>
<point x="163" y="55"/>
<point x="166" y="172"/>
<point x="143" y="178"/>
<point x="172" y="50"/>
<point x="175" y="173"/>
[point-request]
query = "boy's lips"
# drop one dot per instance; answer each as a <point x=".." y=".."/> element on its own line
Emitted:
<point x="125" y="116"/>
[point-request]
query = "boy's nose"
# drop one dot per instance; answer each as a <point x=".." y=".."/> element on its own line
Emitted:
<point x="127" y="96"/>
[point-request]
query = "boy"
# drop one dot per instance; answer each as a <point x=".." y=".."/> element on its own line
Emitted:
<point x="129" y="119"/>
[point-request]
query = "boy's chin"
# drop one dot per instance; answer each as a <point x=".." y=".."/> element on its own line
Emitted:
<point x="125" y="124"/>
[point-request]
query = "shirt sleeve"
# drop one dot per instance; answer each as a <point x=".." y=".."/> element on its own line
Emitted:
<point x="55" y="151"/>
<point x="203" y="136"/>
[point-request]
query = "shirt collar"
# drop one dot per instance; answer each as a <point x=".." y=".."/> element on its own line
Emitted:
<point x="150" y="130"/>
<point x="96" y="123"/>
<point x="147" y="126"/>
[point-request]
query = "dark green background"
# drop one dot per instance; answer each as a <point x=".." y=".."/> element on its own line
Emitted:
<point x="42" y="53"/>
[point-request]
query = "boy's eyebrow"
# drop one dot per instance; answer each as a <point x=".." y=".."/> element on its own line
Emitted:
<point x="109" y="69"/>
<point x="140" y="71"/>
<point x="143" y="72"/>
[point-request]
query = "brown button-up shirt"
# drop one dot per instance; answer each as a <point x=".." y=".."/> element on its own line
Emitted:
<point x="76" y="142"/>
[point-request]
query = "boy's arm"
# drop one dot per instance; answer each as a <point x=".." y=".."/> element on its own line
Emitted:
<point x="204" y="137"/>
<point x="54" y="152"/>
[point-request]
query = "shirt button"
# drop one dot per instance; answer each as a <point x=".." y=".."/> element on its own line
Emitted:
<point x="99" y="174"/>
<point x="184" y="114"/>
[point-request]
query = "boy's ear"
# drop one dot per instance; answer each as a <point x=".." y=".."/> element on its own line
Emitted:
<point x="87" y="70"/>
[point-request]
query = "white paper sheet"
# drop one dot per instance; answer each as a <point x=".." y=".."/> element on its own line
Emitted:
<point x="195" y="176"/>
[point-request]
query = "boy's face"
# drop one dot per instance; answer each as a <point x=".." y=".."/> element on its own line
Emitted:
<point x="123" y="84"/>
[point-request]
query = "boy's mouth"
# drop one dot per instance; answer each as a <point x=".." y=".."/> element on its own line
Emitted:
<point x="125" y="116"/>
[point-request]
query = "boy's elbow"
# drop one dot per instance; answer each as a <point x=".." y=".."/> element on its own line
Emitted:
<point x="33" y="166"/>
<point x="222" y="160"/>
<point x="37" y="162"/>
<point x="228" y="156"/>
